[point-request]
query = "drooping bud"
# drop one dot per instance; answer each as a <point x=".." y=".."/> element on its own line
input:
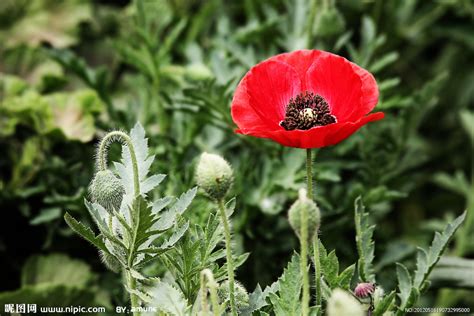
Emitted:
<point x="314" y="216"/>
<point x="109" y="261"/>
<point x="107" y="190"/>
<point x="363" y="290"/>
<point x="342" y="303"/>
<point x="241" y="295"/>
<point x="214" y="175"/>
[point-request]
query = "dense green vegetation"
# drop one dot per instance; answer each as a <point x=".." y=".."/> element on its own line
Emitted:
<point x="70" y="71"/>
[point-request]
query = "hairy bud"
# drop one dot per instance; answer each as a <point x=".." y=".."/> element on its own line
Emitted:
<point x="363" y="290"/>
<point x="214" y="175"/>
<point x="107" y="190"/>
<point x="241" y="295"/>
<point x="342" y="303"/>
<point x="314" y="216"/>
<point x="109" y="261"/>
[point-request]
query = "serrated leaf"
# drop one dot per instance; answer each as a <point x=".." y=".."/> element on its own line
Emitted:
<point x="160" y="204"/>
<point x="330" y="269"/>
<point x="178" y="233"/>
<point x="152" y="182"/>
<point x="287" y="301"/>
<point x="382" y="306"/>
<point x="404" y="283"/>
<point x="365" y="244"/>
<point x="344" y="279"/>
<point x="168" y="299"/>
<point x="426" y="261"/>
<point x="258" y="299"/>
<point x="85" y="232"/>
<point x="184" y="201"/>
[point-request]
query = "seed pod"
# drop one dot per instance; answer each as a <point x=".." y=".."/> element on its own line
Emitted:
<point x="214" y="175"/>
<point x="107" y="190"/>
<point x="314" y="216"/>
<point x="342" y="303"/>
<point x="240" y="294"/>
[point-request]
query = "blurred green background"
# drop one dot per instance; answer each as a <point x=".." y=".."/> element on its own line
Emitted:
<point x="72" y="70"/>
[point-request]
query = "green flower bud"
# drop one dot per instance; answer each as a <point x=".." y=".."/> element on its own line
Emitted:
<point x="343" y="303"/>
<point x="240" y="294"/>
<point x="109" y="261"/>
<point x="330" y="23"/>
<point x="107" y="190"/>
<point x="214" y="175"/>
<point x="314" y="216"/>
<point x="198" y="72"/>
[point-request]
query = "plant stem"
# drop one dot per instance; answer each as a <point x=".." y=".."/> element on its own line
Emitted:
<point x="230" y="265"/>
<point x="102" y="165"/>
<point x="304" y="260"/>
<point x="317" y="273"/>
<point x="207" y="281"/>
<point x="304" y="237"/>
<point x="309" y="173"/>
<point x="132" y="284"/>
<point x="102" y="156"/>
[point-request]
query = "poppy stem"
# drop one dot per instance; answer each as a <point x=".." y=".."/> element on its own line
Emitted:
<point x="304" y="236"/>
<point x="317" y="273"/>
<point x="230" y="264"/>
<point x="309" y="173"/>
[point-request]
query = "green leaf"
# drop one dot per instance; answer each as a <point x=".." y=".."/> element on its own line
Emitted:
<point x="451" y="272"/>
<point x="258" y="299"/>
<point x="404" y="283"/>
<point x="384" y="304"/>
<point x="365" y="244"/>
<point x="168" y="299"/>
<point x="85" y="232"/>
<point x="467" y="121"/>
<point x="55" y="269"/>
<point x="287" y="301"/>
<point x="46" y="215"/>
<point x="344" y="279"/>
<point x="427" y="260"/>
<point x="330" y="269"/>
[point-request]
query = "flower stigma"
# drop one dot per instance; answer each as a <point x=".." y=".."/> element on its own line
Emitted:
<point x="305" y="111"/>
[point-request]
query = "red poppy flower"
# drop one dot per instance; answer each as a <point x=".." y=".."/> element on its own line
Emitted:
<point x="305" y="99"/>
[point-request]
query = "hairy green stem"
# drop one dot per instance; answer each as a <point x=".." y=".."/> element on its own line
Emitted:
<point x="309" y="173"/>
<point x="102" y="165"/>
<point x="230" y="264"/>
<point x="317" y="273"/>
<point x="102" y="156"/>
<point x="208" y="282"/>
<point x="304" y="260"/>
<point x="304" y="236"/>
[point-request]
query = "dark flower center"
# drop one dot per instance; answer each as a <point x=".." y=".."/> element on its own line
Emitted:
<point x="305" y="111"/>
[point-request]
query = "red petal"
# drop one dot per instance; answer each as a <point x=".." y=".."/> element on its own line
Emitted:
<point x="334" y="78"/>
<point x="370" y="92"/>
<point x="270" y="86"/>
<point x="301" y="61"/>
<point x="242" y="113"/>
<point x="316" y="137"/>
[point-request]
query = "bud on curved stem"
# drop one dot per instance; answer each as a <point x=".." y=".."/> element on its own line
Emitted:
<point x="102" y="155"/>
<point x="102" y="167"/>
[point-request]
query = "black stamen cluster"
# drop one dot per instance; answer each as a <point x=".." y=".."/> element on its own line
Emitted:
<point x="305" y="111"/>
